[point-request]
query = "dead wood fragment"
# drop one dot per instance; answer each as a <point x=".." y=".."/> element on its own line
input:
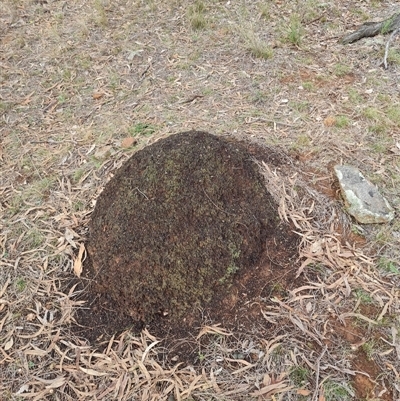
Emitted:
<point x="370" y="29"/>
<point x="394" y="33"/>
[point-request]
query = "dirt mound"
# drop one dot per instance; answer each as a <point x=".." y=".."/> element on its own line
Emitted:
<point x="176" y="228"/>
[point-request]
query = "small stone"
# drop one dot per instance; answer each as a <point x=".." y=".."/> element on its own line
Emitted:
<point x="363" y="200"/>
<point x="128" y="142"/>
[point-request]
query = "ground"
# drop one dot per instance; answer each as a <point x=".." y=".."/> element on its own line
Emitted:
<point x="86" y="84"/>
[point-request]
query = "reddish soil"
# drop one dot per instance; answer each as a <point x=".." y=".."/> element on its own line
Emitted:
<point x="368" y="384"/>
<point x="185" y="231"/>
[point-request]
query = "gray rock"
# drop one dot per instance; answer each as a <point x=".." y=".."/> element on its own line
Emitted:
<point x="362" y="198"/>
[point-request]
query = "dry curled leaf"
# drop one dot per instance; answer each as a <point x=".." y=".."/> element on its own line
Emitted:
<point x="329" y="121"/>
<point x="78" y="263"/>
<point x="92" y="372"/>
<point x="30" y="317"/>
<point x="98" y="95"/>
<point x="213" y="330"/>
<point x="316" y="247"/>
<point x="8" y="344"/>
<point x="278" y="387"/>
<point x="303" y="391"/>
<point x="57" y="382"/>
<point x="396" y="149"/>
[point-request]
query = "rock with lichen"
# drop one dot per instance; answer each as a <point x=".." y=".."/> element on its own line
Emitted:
<point x="363" y="200"/>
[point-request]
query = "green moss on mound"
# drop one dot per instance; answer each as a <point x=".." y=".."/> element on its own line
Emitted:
<point x="176" y="223"/>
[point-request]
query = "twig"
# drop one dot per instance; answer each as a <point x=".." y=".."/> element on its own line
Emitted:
<point x="222" y="210"/>
<point x="315" y="395"/>
<point x="314" y="20"/>
<point x="265" y="120"/>
<point x="331" y="38"/>
<point x="52" y="142"/>
<point x="142" y="193"/>
<point x="145" y="71"/>
<point x="192" y="99"/>
<point x="51" y="106"/>
<point x="394" y="33"/>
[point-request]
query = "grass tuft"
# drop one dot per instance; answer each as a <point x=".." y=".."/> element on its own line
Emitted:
<point x="21" y="284"/>
<point x="369" y="349"/>
<point x="334" y="391"/>
<point x="299" y="375"/>
<point x="257" y="47"/>
<point x="363" y="296"/>
<point x="141" y="129"/>
<point x="342" y="121"/>
<point x="295" y="31"/>
<point x="388" y="266"/>
<point x="101" y="14"/>
<point x="265" y="10"/>
<point x="197" y="16"/>
<point x="341" y="70"/>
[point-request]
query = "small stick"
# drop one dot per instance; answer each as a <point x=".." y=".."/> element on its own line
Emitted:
<point x="142" y="193"/>
<point x="52" y="142"/>
<point x="394" y="33"/>
<point x="315" y="395"/>
<point x="192" y="99"/>
<point x="265" y="120"/>
<point x="314" y="20"/>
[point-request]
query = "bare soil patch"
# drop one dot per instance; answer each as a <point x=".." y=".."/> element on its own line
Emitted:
<point x="367" y="380"/>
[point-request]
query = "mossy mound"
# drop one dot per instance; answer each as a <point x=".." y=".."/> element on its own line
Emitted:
<point x="176" y="223"/>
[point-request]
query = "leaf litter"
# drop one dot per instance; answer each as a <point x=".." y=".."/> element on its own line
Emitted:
<point x="39" y="357"/>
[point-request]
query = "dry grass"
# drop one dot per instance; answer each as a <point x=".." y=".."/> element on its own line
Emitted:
<point x="78" y="78"/>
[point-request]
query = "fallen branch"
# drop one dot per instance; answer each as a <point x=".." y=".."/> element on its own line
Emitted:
<point x="370" y="29"/>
